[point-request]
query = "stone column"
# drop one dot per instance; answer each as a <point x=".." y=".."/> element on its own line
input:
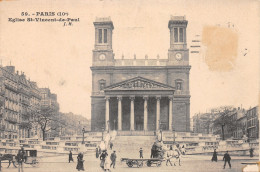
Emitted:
<point x="119" y="124"/>
<point x="158" y="112"/>
<point x="145" y="113"/>
<point x="107" y="113"/>
<point x="132" y="114"/>
<point x="170" y="113"/>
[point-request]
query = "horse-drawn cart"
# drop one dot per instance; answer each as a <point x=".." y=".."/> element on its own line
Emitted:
<point x="29" y="157"/>
<point x="140" y="162"/>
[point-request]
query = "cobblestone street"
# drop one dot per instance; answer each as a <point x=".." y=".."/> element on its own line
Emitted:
<point x="194" y="163"/>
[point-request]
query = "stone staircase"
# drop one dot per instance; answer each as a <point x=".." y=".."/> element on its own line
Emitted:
<point x="129" y="146"/>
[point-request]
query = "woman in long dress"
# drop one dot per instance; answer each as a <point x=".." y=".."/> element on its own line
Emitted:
<point x="107" y="164"/>
<point x="215" y="156"/>
<point x="80" y="165"/>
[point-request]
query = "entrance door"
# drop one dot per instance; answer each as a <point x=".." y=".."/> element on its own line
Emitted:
<point x="139" y="123"/>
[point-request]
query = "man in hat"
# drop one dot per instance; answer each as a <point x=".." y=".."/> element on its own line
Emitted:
<point x="102" y="158"/>
<point x="227" y="158"/>
<point x="20" y="160"/>
<point x="70" y="157"/>
<point x="113" y="159"/>
<point x="141" y="153"/>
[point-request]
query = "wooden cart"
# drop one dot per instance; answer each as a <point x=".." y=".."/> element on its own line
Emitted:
<point x="140" y="162"/>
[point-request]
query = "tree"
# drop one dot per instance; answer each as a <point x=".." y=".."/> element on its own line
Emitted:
<point x="224" y="120"/>
<point x="44" y="119"/>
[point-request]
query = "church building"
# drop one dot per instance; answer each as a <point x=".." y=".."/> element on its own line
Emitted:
<point x="140" y="95"/>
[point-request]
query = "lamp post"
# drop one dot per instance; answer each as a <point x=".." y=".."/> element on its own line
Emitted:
<point x="83" y="132"/>
<point x="223" y="135"/>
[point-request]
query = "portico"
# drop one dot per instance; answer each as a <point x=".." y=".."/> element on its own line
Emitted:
<point x="139" y="104"/>
<point x="140" y="95"/>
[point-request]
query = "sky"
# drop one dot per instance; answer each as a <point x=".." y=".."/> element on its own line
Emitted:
<point x="60" y="57"/>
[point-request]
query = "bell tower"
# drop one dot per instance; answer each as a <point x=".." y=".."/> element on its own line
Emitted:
<point x="178" y="53"/>
<point x="103" y="51"/>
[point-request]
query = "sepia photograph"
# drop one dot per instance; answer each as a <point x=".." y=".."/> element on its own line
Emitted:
<point x="122" y="86"/>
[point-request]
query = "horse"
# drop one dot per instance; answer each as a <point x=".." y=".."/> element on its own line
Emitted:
<point x="9" y="157"/>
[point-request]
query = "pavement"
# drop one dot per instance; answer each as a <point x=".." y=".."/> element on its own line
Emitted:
<point x="194" y="163"/>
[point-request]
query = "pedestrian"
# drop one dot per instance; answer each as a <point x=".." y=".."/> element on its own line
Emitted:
<point x="169" y="156"/>
<point x="20" y="160"/>
<point x="80" y="165"/>
<point x="251" y="151"/>
<point x="97" y="153"/>
<point x="215" y="156"/>
<point x="102" y="158"/>
<point x="111" y="145"/>
<point x="227" y="158"/>
<point x="153" y="150"/>
<point x="107" y="164"/>
<point x="113" y="159"/>
<point x="70" y="157"/>
<point x="179" y="153"/>
<point x="99" y="150"/>
<point x="23" y="153"/>
<point x="183" y="150"/>
<point x="141" y="153"/>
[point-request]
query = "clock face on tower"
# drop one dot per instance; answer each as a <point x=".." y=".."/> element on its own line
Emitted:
<point x="102" y="57"/>
<point x="178" y="56"/>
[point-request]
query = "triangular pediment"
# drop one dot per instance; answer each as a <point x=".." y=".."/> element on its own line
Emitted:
<point x="139" y="83"/>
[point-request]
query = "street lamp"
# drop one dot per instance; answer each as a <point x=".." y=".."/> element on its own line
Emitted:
<point x="223" y="135"/>
<point x="83" y="132"/>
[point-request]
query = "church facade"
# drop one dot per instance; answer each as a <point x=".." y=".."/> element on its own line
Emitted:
<point x="140" y="94"/>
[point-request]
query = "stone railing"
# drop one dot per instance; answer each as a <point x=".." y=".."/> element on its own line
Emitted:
<point x="135" y="133"/>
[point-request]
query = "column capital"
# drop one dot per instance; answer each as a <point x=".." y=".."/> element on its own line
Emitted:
<point x="145" y="97"/>
<point x="158" y="98"/>
<point x="119" y="98"/>
<point x="107" y="97"/>
<point x="132" y="98"/>
<point x="170" y="97"/>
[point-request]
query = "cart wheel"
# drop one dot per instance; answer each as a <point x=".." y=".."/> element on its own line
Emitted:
<point x="159" y="164"/>
<point x="129" y="163"/>
<point x="141" y="164"/>
<point x="149" y="163"/>
<point x="35" y="163"/>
